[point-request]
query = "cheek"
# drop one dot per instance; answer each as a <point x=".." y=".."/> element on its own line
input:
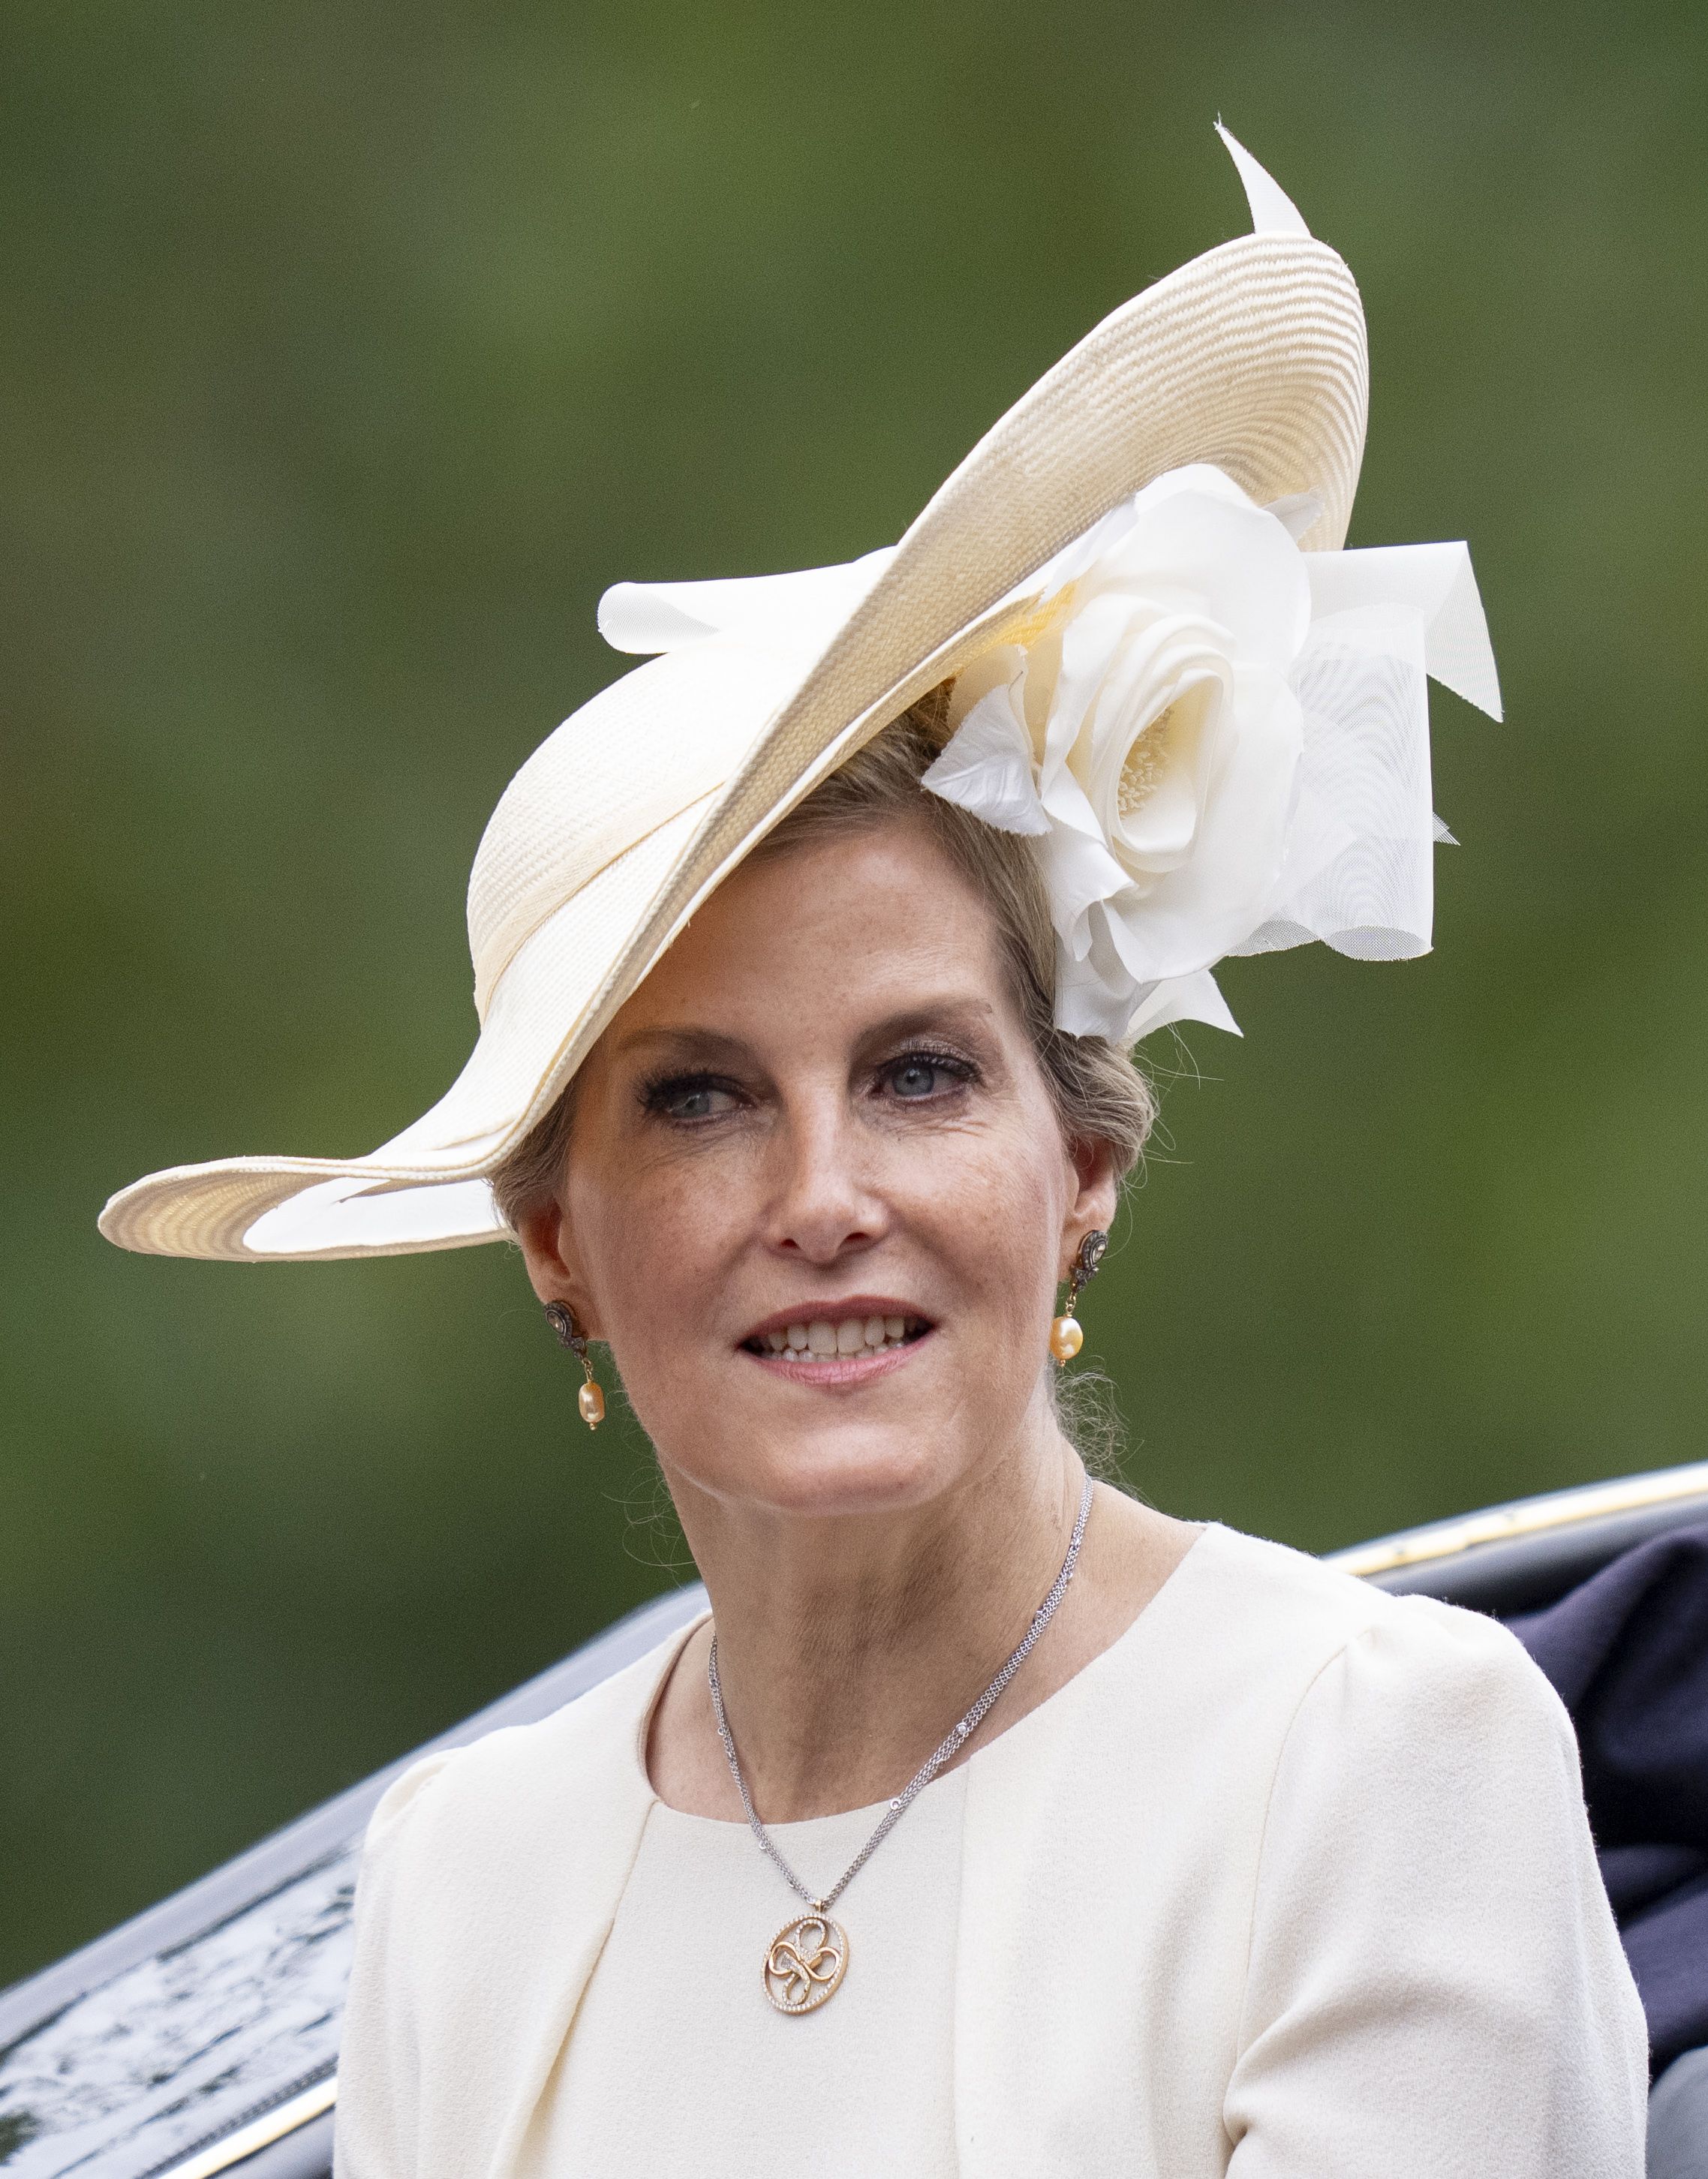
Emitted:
<point x="656" y="1249"/>
<point x="991" y="1215"/>
<point x="670" y="1250"/>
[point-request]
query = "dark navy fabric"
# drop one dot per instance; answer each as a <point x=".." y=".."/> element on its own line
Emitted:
<point x="1628" y="1651"/>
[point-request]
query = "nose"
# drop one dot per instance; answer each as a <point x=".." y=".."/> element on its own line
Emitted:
<point x="827" y="1204"/>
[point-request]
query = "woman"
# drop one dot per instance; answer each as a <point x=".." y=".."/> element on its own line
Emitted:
<point x="809" y="958"/>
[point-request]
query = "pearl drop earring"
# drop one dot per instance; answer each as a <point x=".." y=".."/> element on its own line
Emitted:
<point x="589" y="1399"/>
<point x="1066" y="1336"/>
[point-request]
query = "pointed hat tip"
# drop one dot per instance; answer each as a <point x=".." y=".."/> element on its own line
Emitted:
<point x="1272" y="210"/>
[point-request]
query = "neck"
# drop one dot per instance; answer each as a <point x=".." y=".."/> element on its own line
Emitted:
<point x="848" y="1644"/>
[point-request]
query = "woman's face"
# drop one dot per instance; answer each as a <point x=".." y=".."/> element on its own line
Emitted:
<point x="816" y="1199"/>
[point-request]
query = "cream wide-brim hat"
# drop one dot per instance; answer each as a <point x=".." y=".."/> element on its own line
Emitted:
<point x="1251" y="358"/>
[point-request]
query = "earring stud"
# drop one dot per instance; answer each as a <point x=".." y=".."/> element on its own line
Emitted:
<point x="589" y="1399"/>
<point x="1066" y="1335"/>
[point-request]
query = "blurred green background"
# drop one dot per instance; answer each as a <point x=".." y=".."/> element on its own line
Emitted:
<point x="348" y="351"/>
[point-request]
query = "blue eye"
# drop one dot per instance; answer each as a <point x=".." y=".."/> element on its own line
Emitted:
<point x="919" y="1075"/>
<point x="690" y="1097"/>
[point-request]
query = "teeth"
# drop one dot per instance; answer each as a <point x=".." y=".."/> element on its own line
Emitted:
<point x="819" y="1340"/>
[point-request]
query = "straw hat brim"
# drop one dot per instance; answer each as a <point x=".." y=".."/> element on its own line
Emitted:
<point x="1251" y="358"/>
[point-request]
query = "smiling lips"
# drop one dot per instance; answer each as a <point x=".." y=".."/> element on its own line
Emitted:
<point x="811" y="1345"/>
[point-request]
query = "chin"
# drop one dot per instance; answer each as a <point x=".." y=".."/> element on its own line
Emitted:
<point x="846" y="1470"/>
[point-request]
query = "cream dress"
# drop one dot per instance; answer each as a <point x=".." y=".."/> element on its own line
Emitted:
<point x="865" y="2082"/>
<point x="1292" y="1882"/>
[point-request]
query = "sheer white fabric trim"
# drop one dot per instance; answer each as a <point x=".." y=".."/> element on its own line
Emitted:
<point x="340" y="1214"/>
<point x="781" y="612"/>
<point x="1220" y="746"/>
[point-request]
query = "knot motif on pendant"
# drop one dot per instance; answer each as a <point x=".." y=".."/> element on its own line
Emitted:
<point x="807" y="1959"/>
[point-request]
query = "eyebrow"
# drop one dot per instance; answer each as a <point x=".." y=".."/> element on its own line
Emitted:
<point x="692" y="1041"/>
<point x="686" y="1040"/>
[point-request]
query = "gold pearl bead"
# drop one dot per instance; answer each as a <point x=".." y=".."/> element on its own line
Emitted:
<point x="591" y="1401"/>
<point x="1066" y="1338"/>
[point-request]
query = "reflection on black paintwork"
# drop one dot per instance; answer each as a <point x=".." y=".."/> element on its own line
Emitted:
<point x="184" y="2046"/>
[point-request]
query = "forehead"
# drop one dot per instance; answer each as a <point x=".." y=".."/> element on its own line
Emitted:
<point x="824" y="928"/>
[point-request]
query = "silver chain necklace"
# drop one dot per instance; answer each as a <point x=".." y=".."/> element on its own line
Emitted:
<point x="807" y="1957"/>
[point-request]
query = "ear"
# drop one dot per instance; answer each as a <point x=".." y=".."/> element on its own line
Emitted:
<point x="554" y="1268"/>
<point x="1094" y="1192"/>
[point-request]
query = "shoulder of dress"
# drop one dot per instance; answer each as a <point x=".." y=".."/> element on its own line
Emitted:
<point x="487" y="1887"/>
<point x="1270" y="1592"/>
<point x="1262" y="1602"/>
<point x="1405" y="1651"/>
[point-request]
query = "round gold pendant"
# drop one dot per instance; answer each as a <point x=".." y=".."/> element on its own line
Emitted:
<point x="807" y="1961"/>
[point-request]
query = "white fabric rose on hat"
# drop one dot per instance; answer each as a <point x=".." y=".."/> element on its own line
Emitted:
<point x="1219" y="744"/>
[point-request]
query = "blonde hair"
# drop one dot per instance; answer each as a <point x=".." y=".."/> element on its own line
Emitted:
<point x="1098" y="1095"/>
